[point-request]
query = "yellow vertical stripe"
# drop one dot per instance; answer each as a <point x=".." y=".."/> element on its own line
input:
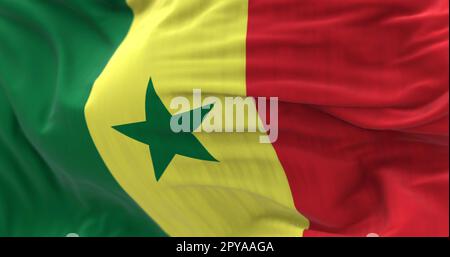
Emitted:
<point x="184" y="45"/>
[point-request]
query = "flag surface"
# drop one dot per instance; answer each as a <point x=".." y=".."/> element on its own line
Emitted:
<point x="363" y="118"/>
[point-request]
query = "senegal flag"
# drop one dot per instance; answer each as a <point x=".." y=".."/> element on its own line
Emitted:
<point x="133" y="118"/>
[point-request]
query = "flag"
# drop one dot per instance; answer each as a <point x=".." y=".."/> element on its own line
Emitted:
<point x="87" y="145"/>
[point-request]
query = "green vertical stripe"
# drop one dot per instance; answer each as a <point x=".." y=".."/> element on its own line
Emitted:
<point x="52" y="180"/>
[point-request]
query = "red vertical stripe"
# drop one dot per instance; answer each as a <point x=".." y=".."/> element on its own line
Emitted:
<point x="363" y="122"/>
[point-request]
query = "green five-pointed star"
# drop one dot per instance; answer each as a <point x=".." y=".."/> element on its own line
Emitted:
<point x="156" y="132"/>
